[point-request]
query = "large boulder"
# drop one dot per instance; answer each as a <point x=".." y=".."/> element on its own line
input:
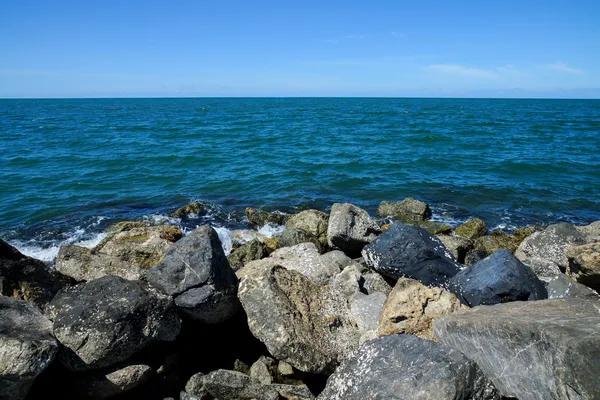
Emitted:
<point x="82" y="264"/>
<point x="305" y="258"/>
<point x="26" y="278"/>
<point x="197" y="274"/>
<point x="458" y="246"/>
<point x="407" y="367"/>
<point x="499" y="278"/>
<point x="250" y="251"/>
<point x="546" y="252"/>
<point x="584" y="264"/>
<point x="27" y="346"/>
<point x="293" y="236"/>
<point x="350" y="228"/>
<point x="412" y="307"/>
<point x="591" y="232"/>
<point x="547" y="349"/>
<point x="563" y="287"/>
<point x="106" y="320"/>
<point x="471" y="229"/>
<point x="312" y="221"/>
<point x="408" y="210"/>
<point x="258" y="218"/>
<point x="408" y="251"/>
<point x="300" y="322"/>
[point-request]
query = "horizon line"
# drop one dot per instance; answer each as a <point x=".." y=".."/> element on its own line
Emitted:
<point x="296" y="97"/>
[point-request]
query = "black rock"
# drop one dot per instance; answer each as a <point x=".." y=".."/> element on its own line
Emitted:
<point x="499" y="278"/>
<point x="412" y="252"/>
<point x="197" y="274"/>
<point x="106" y="320"/>
<point x="406" y="367"/>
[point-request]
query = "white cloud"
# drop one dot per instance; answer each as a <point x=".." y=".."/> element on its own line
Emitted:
<point x="563" y="67"/>
<point x="399" y="35"/>
<point x="461" y="70"/>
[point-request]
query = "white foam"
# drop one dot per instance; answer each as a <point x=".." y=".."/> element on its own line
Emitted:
<point x="270" y="230"/>
<point x="48" y="253"/>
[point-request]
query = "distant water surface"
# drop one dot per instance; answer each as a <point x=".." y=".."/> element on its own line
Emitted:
<point x="70" y="167"/>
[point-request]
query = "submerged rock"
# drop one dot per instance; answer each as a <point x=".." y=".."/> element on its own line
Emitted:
<point x="406" y="367"/>
<point x="190" y="209"/>
<point x="106" y="320"/>
<point x="408" y="210"/>
<point x="197" y="274"/>
<point x="27" y="347"/>
<point x="350" y="228"/>
<point x="313" y="222"/>
<point x="408" y="251"/>
<point x="499" y="278"/>
<point x="547" y="349"/>
<point x="472" y="229"/>
<point x="584" y="264"/>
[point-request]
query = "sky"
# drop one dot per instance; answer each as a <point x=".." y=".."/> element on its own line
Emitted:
<point x="417" y="48"/>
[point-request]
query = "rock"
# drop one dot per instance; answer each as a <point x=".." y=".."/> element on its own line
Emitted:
<point x="141" y="247"/>
<point x="242" y="236"/>
<point x="348" y="282"/>
<point x="271" y="244"/>
<point x="250" y="251"/>
<point x="305" y="259"/>
<point x="127" y="226"/>
<point x="591" y="232"/>
<point x="285" y="369"/>
<point x="82" y="264"/>
<point x="102" y="385"/>
<point x="292" y="236"/>
<point x="521" y="233"/>
<point x="197" y="274"/>
<point x="27" y="346"/>
<point x="373" y="282"/>
<point x="350" y="228"/>
<point x="412" y="307"/>
<point x="458" y="246"/>
<point x="496" y="241"/>
<point x="499" y="278"/>
<point x="563" y="287"/>
<point x="547" y="349"/>
<point x="546" y="252"/>
<point x="474" y="256"/>
<point x="191" y="209"/>
<point x="26" y="278"/>
<point x="260" y="218"/>
<point x="408" y="251"/>
<point x="406" y="367"/>
<point x="240" y="366"/>
<point x="232" y="385"/>
<point x="584" y="264"/>
<point x="435" y="228"/>
<point x="302" y="323"/>
<point x="195" y="387"/>
<point x="472" y="229"/>
<point x="385" y="227"/>
<point x="408" y="210"/>
<point x="263" y="370"/>
<point x="106" y="320"/>
<point x="313" y="222"/>
<point x="365" y="310"/>
<point x="336" y="257"/>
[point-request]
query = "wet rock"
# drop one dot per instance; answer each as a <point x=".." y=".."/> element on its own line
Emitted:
<point x="547" y="349"/>
<point x="106" y="320"/>
<point x="191" y="209"/>
<point x="292" y="236"/>
<point x="406" y="367"/>
<point x="412" y="307"/>
<point x="435" y="228"/>
<point x="408" y="251"/>
<point x="472" y="229"/>
<point x="313" y="222"/>
<point x="27" y="346"/>
<point x="474" y="256"/>
<point x="350" y="228"/>
<point x="499" y="278"/>
<point x="197" y="274"/>
<point x="300" y="322"/>
<point x="546" y="252"/>
<point x="408" y="210"/>
<point x="305" y="258"/>
<point x="563" y="287"/>
<point x="250" y="251"/>
<point x="496" y="241"/>
<point x="242" y="236"/>
<point x="458" y="246"/>
<point x="258" y="218"/>
<point x="521" y="233"/>
<point x="584" y="264"/>
<point x="115" y="381"/>
<point x="26" y="278"/>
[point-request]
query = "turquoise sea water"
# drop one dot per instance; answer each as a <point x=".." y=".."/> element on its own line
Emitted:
<point x="70" y="167"/>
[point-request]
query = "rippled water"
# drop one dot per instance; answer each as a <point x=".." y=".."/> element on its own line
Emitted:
<point x="69" y="167"/>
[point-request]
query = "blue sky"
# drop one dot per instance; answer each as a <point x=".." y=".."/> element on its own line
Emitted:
<point x="299" y="48"/>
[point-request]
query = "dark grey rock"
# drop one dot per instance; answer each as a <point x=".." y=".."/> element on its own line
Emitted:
<point x="195" y="390"/>
<point x="197" y="274"/>
<point x="563" y="287"/>
<point x="27" y="346"/>
<point x="405" y="367"/>
<point x="106" y="320"/>
<point x="110" y="383"/>
<point x="408" y="251"/>
<point x="547" y="349"/>
<point x="499" y="278"/>
<point x="474" y="256"/>
<point x="350" y="228"/>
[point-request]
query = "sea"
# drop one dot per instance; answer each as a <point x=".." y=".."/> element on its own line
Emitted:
<point x="69" y="168"/>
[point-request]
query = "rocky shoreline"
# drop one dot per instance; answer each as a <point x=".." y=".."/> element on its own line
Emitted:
<point x="342" y="305"/>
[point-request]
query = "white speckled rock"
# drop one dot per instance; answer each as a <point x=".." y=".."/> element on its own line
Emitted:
<point x="305" y="258"/>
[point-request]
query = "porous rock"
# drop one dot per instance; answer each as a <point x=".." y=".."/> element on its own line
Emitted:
<point x="408" y="251"/>
<point x="407" y="367"/>
<point x="350" y="228"/>
<point x="27" y="346"/>
<point x="584" y="264"/>
<point x="250" y="251"/>
<point x="197" y="274"/>
<point x="547" y="349"/>
<point x="312" y="221"/>
<point x="471" y="229"/>
<point x="305" y="258"/>
<point x="106" y="320"/>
